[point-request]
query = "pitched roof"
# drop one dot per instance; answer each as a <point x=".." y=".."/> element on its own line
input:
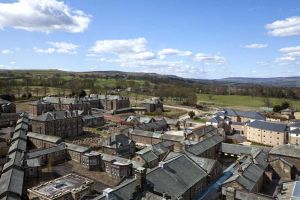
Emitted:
<point x="77" y="148"/>
<point x="20" y="134"/>
<point x="204" y="145"/>
<point x="12" y="181"/>
<point x="47" y="138"/>
<point x="18" y="145"/>
<point x="237" y="149"/>
<point x="42" y="152"/>
<point x="289" y="150"/>
<point x="59" y="114"/>
<point x="247" y="175"/>
<point x="15" y="159"/>
<point x="171" y="177"/>
<point x="271" y="126"/>
<point x="247" y="114"/>
<point x="21" y="126"/>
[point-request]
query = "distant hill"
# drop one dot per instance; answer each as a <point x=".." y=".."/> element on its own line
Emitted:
<point x="233" y="81"/>
<point x="276" y="81"/>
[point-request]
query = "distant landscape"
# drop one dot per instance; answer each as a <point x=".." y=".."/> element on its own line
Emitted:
<point x="244" y="93"/>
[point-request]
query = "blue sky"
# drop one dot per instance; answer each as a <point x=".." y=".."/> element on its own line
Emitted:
<point x="192" y="38"/>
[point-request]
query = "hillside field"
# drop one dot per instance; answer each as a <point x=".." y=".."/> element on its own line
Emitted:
<point x="238" y="101"/>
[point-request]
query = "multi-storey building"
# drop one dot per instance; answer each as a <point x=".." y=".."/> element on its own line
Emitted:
<point x="267" y="133"/>
<point x="58" y="123"/>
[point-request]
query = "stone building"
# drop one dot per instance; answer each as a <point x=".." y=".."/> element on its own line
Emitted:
<point x="267" y="133"/>
<point x="71" y="186"/>
<point x="7" y="106"/>
<point x="93" y="120"/>
<point x="285" y="160"/>
<point x="43" y="141"/>
<point x="50" y="104"/>
<point x="108" y="102"/>
<point x="150" y="156"/>
<point x="154" y="104"/>
<point x="75" y="152"/>
<point x="119" y="144"/>
<point x="63" y="124"/>
<point x="208" y="148"/>
<point x="162" y="181"/>
<point x="92" y="160"/>
<point x="240" y="116"/>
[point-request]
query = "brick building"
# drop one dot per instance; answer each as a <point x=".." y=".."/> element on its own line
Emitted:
<point x="267" y="133"/>
<point x="63" y="124"/>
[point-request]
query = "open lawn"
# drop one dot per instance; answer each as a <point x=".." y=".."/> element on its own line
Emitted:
<point x="243" y="101"/>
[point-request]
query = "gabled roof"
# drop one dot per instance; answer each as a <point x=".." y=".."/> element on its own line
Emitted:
<point x="154" y="126"/>
<point x="42" y="152"/>
<point x="18" y="145"/>
<point x="174" y="177"/>
<point x="271" y="126"/>
<point x="12" y="181"/>
<point x="247" y="175"/>
<point x="23" y="120"/>
<point x="118" y="140"/>
<point x="77" y="148"/>
<point x="289" y="150"/>
<point x="47" y="138"/>
<point x="22" y="126"/>
<point x="15" y="159"/>
<point x="237" y="149"/>
<point x="59" y="114"/>
<point x="20" y="134"/>
<point x="247" y="114"/>
<point x="204" y="145"/>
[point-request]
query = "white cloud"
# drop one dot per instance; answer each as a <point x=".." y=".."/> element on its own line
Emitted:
<point x="43" y="16"/>
<point x="58" y="47"/>
<point x="169" y="51"/>
<point x="12" y="62"/>
<point x="125" y="50"/>
<point x="285" y="59"/>
<point x="210" y="59"/>
<point x="255" y="46"/>
<point x="136" y="45"/>
<point x="7" y="51"/>
<point x="287" y="27"/>
<point x="289" y="49"/>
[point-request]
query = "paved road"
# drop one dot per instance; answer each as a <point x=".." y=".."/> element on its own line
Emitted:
<point x="185" y="108"/>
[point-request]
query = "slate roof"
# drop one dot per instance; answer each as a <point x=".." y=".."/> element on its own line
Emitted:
<point x="249" y="175"/>
<point x="152" y="152"/>
<point x="20" y="134"/>
<point x="247" y="114"/>
<point x="60" y="114"/>
<point x="18" y="145"/>
<point x="172" y="178"/>
<point x="12" y="181"/>
<point x="296" y="124"/>
<point x="204" y="145"/>
<point x="23" y="120"/>
<point x="42" y="152"/>
<point x="271" y="126"/>
<point x="295" y="131"/>
<point x="289" y="150"/>
<point x="237" y="149"/>
<point x="120" y="160"/>
<point x="62" y="100"/>
<point x="22" y="126"/>
<point x="118" y="140"/>
<point x="47" y="138"/>
<point x="15" y="159"/>
<point x="204" y="130"/>
<point x="205" y="163"/>
<point x="77" y="148"/>
<point x="154" y="126"/>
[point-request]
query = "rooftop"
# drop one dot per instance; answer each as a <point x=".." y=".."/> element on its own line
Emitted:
<point x="60" y="186"/>
<point x="271" y="126"/>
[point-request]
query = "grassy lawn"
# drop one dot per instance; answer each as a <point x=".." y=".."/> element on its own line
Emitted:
<point x="243" y="101"/>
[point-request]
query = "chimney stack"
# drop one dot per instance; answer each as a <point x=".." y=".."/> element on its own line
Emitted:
<point x="140" y="175"/>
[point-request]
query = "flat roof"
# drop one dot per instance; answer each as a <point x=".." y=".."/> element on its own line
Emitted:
<point x="61" y="186"/>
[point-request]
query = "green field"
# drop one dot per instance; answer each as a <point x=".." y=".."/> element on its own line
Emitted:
<point x="243" y="101"/>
